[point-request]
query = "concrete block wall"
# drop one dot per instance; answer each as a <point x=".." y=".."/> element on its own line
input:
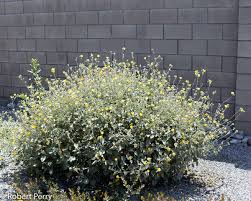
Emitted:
<point x="243" y="84"/>
<point x="189" y="34"/>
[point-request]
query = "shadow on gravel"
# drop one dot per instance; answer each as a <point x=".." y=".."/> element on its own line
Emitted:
<point x="237" y="154"/>
<point x="189" y="187"/>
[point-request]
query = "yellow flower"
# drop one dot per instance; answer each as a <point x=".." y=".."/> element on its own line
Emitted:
<point x="158" y="170"/>
<point x="149" y="159"/>
<point x="210" y="82"/>
<point x="131" y="126"/>
<point x="242" y="109"/>
<point x="100" y="137"/>
<point x="148" y="171"/>
<point x="53" y="70"/>
<point x="34" y="126"/>
<point x="140" y="114"/>
<point x="168" y="159"/>
<point x="203" y="71"/>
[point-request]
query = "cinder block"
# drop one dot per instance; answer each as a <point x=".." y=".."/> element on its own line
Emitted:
<point x="136" y="4"/>
<point x="163" y="16"/>
<point x="192" y="15"/>
<point x="243" y="97"/>
<point x="46" y="44"/>
<point x="35" y="32"/>
<point x="229" y="64"/>
<point x="14" y="7"/>
<point x="41" y="56"/>
<point x="244" y="32"/>
<point x="124" y="31"/>
<point x="19" y="20"/>
<point x="222" y="15"/>
<point x="55" y="31"/>
<point x="114" y="45"/>
<point x="111" y="17"/>
<point x="43" y="19"/>
<point x="88" y="45"/>
<point x="230" y="31"/>
<point x="2" y="10"/>
<point x="222" y="47"/>
<point x="136" y="17"/>
<point x="191" y="47"/>
<point x="3" y="56"/>
<point x="244" y="48"/>
<point x="17" y="57"/>
<point x="98" y="4"/>
<point x="210" y="63"/>
<point x="54" y="5"/>
<point x="150" y="31"/>
<point x="56" y="58"/>
<point x="246" y="116"/>
<point x="182" y="62"/>
<point x="10" y="69"/>
<point x="244" y="65"/>
<point x="9" y="44"/>
<point x="67" y="45"/>
<point x="207" y="31"/>
<point x="99" y="31"/>
<point x="221" y="79"/>
<point x="4" y="20"/>
<point x="178" y="3"/>
<point x="164" y="46"/>
<point x="9" y="91"/>
<point x="215" y="3"/>
<point x="245" y="15"/>
<point x="3" y="32"/>
<point x="5" y="80"/>
<point x="75" y="5"/>
<point x="16" y="32"/>
<point x="64" y="18"/>
<point x="244" y="126"/>
<point x="88" y="17"/>
<point x="138" y="46"/>
<point x="26" y="45"/>
<point x="178" y="31"/>
<point x="77" y="31"/>
<point x="35" y="6"/>
<point x="244" y="3"/>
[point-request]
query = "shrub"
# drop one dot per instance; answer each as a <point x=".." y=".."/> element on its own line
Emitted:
<point x="121" y="127"/>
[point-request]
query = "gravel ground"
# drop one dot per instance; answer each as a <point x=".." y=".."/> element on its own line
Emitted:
<point x="229" y="173"/>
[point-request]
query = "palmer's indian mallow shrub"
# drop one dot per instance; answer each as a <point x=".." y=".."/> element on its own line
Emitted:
<point x="120" y="126"/>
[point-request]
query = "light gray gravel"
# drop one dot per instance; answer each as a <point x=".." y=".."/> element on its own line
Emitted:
<point x="7" y="168"/>
<point x="229" y="173"/>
